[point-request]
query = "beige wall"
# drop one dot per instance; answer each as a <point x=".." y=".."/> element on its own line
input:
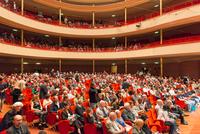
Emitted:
<point x="175" y="50"/>
<point x="184" y="16"/>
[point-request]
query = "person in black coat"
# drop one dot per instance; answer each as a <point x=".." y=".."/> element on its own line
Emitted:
<point x="3" y="86"/>
<point x="93" y="95"/>
<point x="43" y="91"/>
<point x="80" y="110"/>
<point x="7" y="120"/>
<point x="55" y="105"/>
<point x="16" y="94"/>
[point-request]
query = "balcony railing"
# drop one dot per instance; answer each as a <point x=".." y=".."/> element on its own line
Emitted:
<point x="82" y="24"/>
<point x="175" y="41"/>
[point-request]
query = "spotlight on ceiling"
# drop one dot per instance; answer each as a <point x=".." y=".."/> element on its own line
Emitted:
<point x="156" y="62"/>
<point x="156" y="5"/>
<point x="25" y="63"/>
<point x="46" y="35"/>
<point x="113" y="15"/>
<point x="14" y="30"/>
<point x="156" y="32"/>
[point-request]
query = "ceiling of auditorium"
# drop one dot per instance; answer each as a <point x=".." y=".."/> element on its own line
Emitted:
<point x="91" y="2"/>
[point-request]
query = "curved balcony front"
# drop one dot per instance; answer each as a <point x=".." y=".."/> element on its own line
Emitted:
<point x="171" y="19"/>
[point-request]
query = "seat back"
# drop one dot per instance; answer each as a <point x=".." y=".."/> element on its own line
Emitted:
<point x="64" y="127"/>
<point x="90" y="128"/>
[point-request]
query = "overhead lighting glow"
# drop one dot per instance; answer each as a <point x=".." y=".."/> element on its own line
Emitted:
<point x="113" y="15"/>
<point x="156" y="32"/>
<point x="38" y="63"/>
<point x="143" y="63"/>
<point x="25" y="63"/>
<point x="156" y="62"/>
<point x="156" y="6"/>
<point x="15" y="30"/>
<point x="46" y="35"/>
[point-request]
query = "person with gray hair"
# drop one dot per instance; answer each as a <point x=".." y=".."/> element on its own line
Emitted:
<point x="127" y="114"/>
<point x="112" y="126"/>
<point x="7" y="120"/>
<point x="102" y="111"/>
<point x="18" y="127"/>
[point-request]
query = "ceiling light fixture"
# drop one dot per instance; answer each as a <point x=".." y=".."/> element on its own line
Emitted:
<point x="14" y="30"/>
<point x="46" y="35"/>
<point x="113" y="15"/>
<point x="143" y="63"/>
<point x="156" y="5"/>
<point x="38" y="63"/>
<point x="25" y="63"/>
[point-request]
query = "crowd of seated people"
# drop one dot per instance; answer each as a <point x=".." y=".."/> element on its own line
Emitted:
<point x="112" y="103"/>
<point x="69" y="22"/>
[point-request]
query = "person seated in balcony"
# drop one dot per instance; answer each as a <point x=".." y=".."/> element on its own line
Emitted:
<point x="101" y="111"/>
<point x="36" y="106"/>
<point x="18" y="126"/>
<point x="8" y="117"/>
<point x="112" y="126"/>
<point x="166" y="117"/>
<point x="73" y="118"/>
<point x="127" y="115"/>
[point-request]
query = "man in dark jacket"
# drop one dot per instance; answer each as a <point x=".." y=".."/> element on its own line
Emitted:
<point x="18" y="127"/>
<point x="7" y="120"/>
<point x="3" y="86"/>
<point x="43" y="91"/>
<point x="93" y="94"/>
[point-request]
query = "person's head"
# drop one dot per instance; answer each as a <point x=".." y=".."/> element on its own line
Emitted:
<point x="17" y="106"/>
<point x="118" y="113"/>
<point x="36" y="98"/>
<point x="160" y="102"/>
<point x="102" y="103"/>
<point x="144" y="118"/>
<point x="127" y="106"/>
<point x="67" y="107"/>
<point x="89" y="111"/>
<point x="112" y="116"/>
<point x="17" y="121"/>
<point x="139" y="123"/>
<point x="47" y="96"/>
<point x="55" y="99"/>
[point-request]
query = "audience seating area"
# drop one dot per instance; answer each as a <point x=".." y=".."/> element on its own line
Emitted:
<point x="73" y="88"/>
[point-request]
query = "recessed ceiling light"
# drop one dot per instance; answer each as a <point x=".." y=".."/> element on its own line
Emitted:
<point x="143" y="63"/>
<point x="46" y="35"/>
<point x="38" y="63"/>
<point x="156" y="62"/>
<point x="113" y="15"/>
<point x="25" y="63"/>
<point x="156" y="32"/>
<point x="156" y="5"/>
<point x="113" y="38"/>
<point x="15" y="30"/>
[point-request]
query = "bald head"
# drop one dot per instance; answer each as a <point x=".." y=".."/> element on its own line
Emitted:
<point x="112" y="116"/>
<point x="139" y="123"/>
<point x="17" y="120"/>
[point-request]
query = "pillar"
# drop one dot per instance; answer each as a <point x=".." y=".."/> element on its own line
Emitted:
<point x="60" y="65"/>
<point x="22" y="65"/>
<point x="22" y="37"/>
<point x="93" y="18"/>
<point x="161" y="67"/>
<point x="60" y="41"/>
<point x="22" y="7"/>
<point x="125" y="15"/>
<point x="126" y="66"/>
<point x="125" y="42"/>
<point x="93" y="44"/>
<point x="93" y="66"/>
<point x="60" y="16"/>
<point x="161" y="7"/>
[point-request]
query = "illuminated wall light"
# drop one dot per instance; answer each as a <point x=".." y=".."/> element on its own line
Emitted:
<point x="38" y="63"/>
<point x="156" y="32"/>
<point x="113" y="15"/>
<point x="156" y="5"/>
<point x="25" y="63"/>
<point x="156" y="62"/>
<point x="46" y="35"/>
<point x="14" y="30"/>
<point x="113" y="38"/>
<point x="143" y="63"/>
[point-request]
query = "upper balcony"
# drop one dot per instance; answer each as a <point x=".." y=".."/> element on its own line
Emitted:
<point x="182" y="14"/>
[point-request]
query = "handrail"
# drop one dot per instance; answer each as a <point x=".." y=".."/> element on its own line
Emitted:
<point x="175" y="41"/>
<point x="89" y="26"/>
